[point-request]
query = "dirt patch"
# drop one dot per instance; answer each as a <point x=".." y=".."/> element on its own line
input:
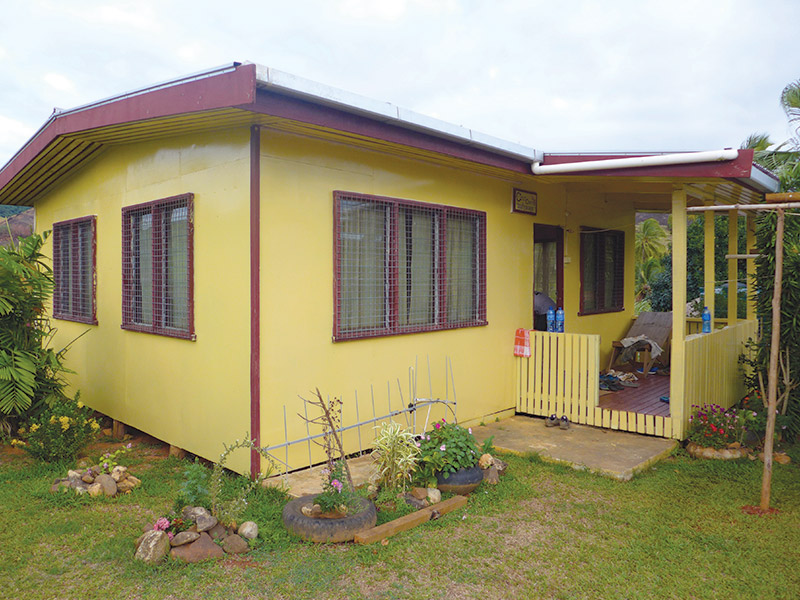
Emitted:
<point x="757" y="510"/>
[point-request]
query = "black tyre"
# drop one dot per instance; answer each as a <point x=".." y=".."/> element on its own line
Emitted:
<point x="328" y="530"/>
<point x="462" y="481"/>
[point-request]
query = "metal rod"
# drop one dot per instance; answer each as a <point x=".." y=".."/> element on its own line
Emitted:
<point x="423" y="403"/>
<point x="308" y="431"/>
<point x="773" y="206"/>
<point x="738" y="256"/>
<point x="358" y="420"/>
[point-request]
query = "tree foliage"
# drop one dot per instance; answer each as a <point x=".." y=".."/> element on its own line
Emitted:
<point x="31" y="373"/>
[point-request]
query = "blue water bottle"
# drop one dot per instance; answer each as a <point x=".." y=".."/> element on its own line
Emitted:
<point x="706" y="320"/>
<point x="560" y="320"/>
<point x="551" y="320"/>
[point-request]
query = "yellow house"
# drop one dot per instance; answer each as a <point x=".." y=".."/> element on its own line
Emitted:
<point x="234" y="239"/>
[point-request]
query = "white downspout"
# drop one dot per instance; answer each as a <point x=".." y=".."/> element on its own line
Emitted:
<point x="679" y="158"/>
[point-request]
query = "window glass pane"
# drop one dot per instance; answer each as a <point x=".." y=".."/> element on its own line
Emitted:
<point x="176" y="301"/>
<point x="142" y="268"/>
<point x="83" y="294"/>
<point x="363" y="268"/>
<point x="589" y="270"/>
<point x="417" y="242"/>
<point x="545" y="268"/>
<point x="462" y="268"/>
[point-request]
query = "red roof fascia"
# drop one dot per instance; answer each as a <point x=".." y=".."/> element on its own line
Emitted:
<point x="740" y="167"/>
<point x="234" y="88"/>
<point x="297" y="109"/>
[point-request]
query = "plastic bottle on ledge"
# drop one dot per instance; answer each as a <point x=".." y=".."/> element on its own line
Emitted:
<point x="551" y="320"/>
<point x="706" y="320"/>
<point x="560" y="320"/>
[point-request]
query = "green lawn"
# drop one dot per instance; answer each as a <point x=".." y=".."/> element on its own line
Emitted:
<point x="546" y="531"/>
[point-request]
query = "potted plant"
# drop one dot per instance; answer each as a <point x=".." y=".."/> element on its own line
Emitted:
<point x="449" y="458"/>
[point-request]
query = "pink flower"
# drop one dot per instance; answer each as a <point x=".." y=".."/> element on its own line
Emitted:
<point x="170" y="535"/>
<point x="161" y="524"/>
<point x="470" y="430"/>
<point x="436" y="426"/>
<point x="443" y="448"/>
<point x="337" y="485"/>
<point x="417" y="444"/>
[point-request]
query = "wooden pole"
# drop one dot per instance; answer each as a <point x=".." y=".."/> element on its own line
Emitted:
<point x="772" y="386"/>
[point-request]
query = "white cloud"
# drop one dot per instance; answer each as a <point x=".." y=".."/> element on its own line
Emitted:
<point x="59" y="82"/>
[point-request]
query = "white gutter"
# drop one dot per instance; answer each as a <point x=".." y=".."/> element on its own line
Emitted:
<point x="680" y="158"/>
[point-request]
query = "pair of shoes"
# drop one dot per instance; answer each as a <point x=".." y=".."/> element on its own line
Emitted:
<point x="564" y="424"/>
<point x="610" y="382"/>
<point x="551" y="421"/>
<point x="664" y="399"/>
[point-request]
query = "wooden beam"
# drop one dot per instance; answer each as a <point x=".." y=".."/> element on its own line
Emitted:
<point x="733" y="267"/>
<point x="709" y="277"/>
<point x="773" y="206"/>
<point x="751" y="266"/>
<point x="376" y="534"/>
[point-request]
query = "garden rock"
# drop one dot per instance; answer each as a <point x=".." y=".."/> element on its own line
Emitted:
<point x="491" y="475"/>
<point x="190" y="513"/>
<point x="153" y="548"/>
<point x="202" y="548"/>
<point x="234" y="544"/>
<point x="88" y="477"/>
<point x="109" y="485"/>
<point x="500" y="465"/>
<point x="125" y="486"/>
<point x="415" y="502"/>
<point x="205" y="522"/>
<point x="420" y="493"/>
<point x="218" y="532"/>
<point x="485" y="461"/>
<point x="95" y="490"/>
<point x="119" y="473"/>
<point x="184" y="537"/>
<point x="248" y="530"/>
<point x="434" y="495"/>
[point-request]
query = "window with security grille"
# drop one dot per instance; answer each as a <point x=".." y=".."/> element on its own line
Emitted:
<point x="602" y="270"/>
<point x="157" y="267"/>
<point x="74" y="273"/>
<point x="405" y="267"/>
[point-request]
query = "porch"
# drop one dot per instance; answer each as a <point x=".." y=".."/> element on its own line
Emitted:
<point x="561" y="377"/>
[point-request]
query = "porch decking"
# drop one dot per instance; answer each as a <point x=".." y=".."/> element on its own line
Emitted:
<point x="643" y="400"/>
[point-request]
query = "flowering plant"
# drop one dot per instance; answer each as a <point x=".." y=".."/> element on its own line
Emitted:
<point x="171" y="525"/>
<point x="755" y="404"/>
<point x="446" y="449"/>
<point x="712" y="426"/>
<point x="336" y="492"/>
<point x="60" y="431"/>
<point x="109" y="460"/>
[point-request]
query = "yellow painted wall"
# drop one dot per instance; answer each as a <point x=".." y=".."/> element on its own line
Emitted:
<point x="299" y="176"/>
<point x="193" y="394"/>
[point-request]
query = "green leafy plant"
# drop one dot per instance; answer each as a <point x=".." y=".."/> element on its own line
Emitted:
<point x="31" y="373"/>
<point x="397" y="456"/>
<point x="712" y="426"/>
<point x="109" y="460"/>
<point x="337" y="494"/>
<point x="488" y="447"/>
<point x="60" y="432"/>
<point x="229" y="510"/>
<point x="446" y="449"/>
<point x="194" y="488"/>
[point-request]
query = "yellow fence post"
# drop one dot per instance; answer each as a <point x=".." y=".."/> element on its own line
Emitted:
<point x="733" y="266"/>
<point x="678" y="356"/>
<point x="709" y="278"/>
<point x="751" y="265"/>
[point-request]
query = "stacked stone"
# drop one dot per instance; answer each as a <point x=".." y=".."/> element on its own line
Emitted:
<point x="206" y="538"/>
<point x="95" y="482"/>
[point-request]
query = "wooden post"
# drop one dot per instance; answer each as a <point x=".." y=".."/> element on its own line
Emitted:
<point x="733" y="267"/>
<point x="709" y="277"/>
<point x="772" y="386"/>
<point x="677" y="380"/>
<point x="117" y="429"/>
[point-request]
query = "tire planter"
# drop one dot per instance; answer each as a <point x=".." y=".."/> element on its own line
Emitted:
<point x="715" y="453"/>
<point x="461" y="482"/>
<point x="327" y="530"/>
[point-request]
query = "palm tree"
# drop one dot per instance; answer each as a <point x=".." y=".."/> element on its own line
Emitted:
<point x="652" y="241"/>
<point x="783" y="159"/>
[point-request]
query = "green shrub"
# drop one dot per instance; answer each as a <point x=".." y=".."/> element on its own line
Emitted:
<point x="446" y="449"/>
<point x="60" y="432"/>
<point x="397" y="455"/>
<point x="194" y="489"/>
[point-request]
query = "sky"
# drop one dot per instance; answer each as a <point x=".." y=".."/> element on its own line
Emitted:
<point x="569" y="76"/>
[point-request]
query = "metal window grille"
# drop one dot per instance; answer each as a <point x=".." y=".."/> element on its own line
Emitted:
<point x="404" y="266"/>
<point x="74" y="270"/>
<point x="602" y="270"/>
<point x="157" y="267"/>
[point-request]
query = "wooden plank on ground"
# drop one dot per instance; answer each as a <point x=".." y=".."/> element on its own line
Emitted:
<point x="376" y="534"/>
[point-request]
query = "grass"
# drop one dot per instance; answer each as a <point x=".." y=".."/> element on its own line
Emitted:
<point x="676" y="531"/>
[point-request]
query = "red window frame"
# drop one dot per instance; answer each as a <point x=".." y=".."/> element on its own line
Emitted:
<point x="391" y="269"/>
<point x="156" y="209"/>
<point x="618" y="299"/>
<point x="68" y="275"/>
